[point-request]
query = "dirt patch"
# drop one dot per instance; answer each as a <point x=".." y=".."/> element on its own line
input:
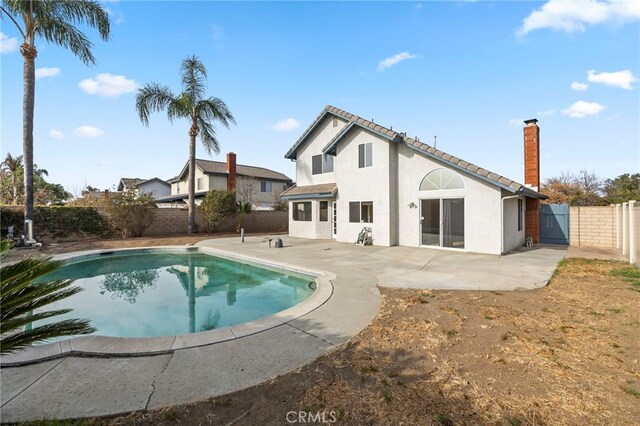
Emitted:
<point x="566" y="354"/>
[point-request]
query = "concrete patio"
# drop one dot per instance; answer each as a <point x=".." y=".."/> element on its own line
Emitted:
<point x="73" y="387"/>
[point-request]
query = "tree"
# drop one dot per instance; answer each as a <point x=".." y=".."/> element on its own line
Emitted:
<point x="13" y="167"/>
<point x="23" y="298"/>
<point x="217" y="206"/>
<point x="624" y="188"/>
<point x="191" y="103"/>
<point x="55" y="21"/>
<point x="583" y="189"/>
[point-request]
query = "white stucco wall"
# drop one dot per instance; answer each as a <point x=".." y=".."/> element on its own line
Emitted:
<point x="158" y="189"/>
<point x="313" y="229"/>
<point x="481" y="204"/>
<point x="314" y="144"/>
<point x="512" y="237"/>
<point x="363" y="184"/>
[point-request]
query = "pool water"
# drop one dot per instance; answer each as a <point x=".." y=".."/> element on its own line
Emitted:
<point x="151" y="294"/>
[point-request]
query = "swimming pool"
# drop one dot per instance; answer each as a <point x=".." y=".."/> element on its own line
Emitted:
<point x="153" y="293"/>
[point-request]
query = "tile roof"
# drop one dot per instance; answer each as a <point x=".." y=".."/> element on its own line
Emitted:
<point x="129" y="183"/>
<point x="218" y="167"/>
<point x="423" y="148"/>
<point x="319" y="190"/>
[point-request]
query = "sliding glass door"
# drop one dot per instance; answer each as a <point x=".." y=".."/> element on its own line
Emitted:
<point x="442" y="222"/>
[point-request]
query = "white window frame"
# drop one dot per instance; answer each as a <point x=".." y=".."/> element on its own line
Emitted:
<point x="367" y="152"/>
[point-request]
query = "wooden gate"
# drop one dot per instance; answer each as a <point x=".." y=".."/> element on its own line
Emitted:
<point x="554" y="223"/>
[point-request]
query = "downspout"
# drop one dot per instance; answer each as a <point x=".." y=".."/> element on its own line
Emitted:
<point x="518" y="195"/>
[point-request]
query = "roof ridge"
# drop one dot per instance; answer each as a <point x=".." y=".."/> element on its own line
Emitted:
<point x="243" y="165"/>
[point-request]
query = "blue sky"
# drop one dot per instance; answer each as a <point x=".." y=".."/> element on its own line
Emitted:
<point x="467" y="71"/>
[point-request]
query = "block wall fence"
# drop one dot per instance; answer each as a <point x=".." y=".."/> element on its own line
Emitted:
<point x="173" y="221"/>
<point x="609" y="227"/>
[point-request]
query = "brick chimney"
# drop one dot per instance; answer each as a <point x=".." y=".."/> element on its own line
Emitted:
<point x="231" y="170"/>
<point x="532" y="178"/>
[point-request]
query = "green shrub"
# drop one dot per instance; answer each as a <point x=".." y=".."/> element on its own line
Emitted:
<point x="58" y="221"/>
<point x="217" y="206"/>
<point x="131" y="213"/>
<point x="61" y="220"/>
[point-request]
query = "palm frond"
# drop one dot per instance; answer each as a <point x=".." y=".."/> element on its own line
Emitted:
<point x="193" y="75"/>
<point x="214" y="109"/>
<point x="207" y="136"/>
<point x="64" y="34"/>
<point x="22" y="339"/>
<point x="153" y="97"/>
<point x="180" y="107"/>
<point x="85" y="12"/>
<point x="23" y="299"/>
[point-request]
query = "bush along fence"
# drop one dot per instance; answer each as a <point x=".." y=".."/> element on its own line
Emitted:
<point x="610" y="227"/>
<point x="71" y="223"/>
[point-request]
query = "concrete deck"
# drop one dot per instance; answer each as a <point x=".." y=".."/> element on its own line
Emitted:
<point x="74" y="387"/>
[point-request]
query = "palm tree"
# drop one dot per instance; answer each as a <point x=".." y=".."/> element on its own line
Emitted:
<point x="192" y="104"/>
<point x="20" y="296"/>
<point x="13" y="165"/>
<point x="53" y="20"/>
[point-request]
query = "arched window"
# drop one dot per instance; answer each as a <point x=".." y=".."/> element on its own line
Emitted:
<point x="441" y="179"/>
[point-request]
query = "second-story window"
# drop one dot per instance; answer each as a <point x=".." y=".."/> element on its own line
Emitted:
<point x="321" y="164"/>
<point x="200" y="184"/>
<point x="365" y="155"/>
<point x="265" y="186"/>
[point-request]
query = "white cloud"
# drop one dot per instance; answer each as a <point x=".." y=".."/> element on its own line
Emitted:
<point x="47" y="72"/>
<point x="217" y="31"/>
<point x="621" y="79"/>
<point x="88" y="132"/>
<point x="116" y="17"/>
<point x="394" y="60"/>
<point x="285" y="125"/>
<point x="546" y="113"/>
<point x="575" y="15"/>
<point x="419" y="6"/>
<point x="518" y="122"/>
<point x="108" y="85"/>
<point x="583" y="109"/>
<point x="8" y="44"/>
<point x="579" y="86"/>
<point x="56" y="134"/>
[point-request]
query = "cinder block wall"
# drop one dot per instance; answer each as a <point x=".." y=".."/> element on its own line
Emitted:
<point x="592" y="226"/>
<point x="175" y="221"/>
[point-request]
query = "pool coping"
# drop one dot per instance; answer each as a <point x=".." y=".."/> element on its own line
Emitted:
<point x="96" y="346"/>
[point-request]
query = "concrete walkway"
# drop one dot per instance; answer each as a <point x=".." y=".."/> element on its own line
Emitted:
<point x="73" y="387"/>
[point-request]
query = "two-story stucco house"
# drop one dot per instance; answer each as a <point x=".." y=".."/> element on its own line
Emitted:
<point x="352" y="173"/>
<point x="260" y="186"/>
<point x="154" y="186"/>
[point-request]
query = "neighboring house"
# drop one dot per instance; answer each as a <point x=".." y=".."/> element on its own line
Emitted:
<point x="157" y="187"/>
<point x="352" y="173"/>
<point x="257" y="185"/>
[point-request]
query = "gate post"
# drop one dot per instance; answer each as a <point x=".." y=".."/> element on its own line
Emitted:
<point x="625" y="228"/>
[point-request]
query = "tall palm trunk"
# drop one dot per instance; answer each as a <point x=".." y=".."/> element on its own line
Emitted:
<point x="191" y="185"/>
<point x="29" y="54"/>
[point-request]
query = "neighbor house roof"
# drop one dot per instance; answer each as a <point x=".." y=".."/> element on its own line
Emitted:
<point x="311" y="191"/>
<point x="135" y="182"/>
<point x="129" y="183"/>
<point x="220" y="168"/>
<point x="442" y="157"/>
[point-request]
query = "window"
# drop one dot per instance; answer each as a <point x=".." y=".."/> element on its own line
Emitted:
<point x="302" y="211"/>
<point x="321" y="164"/>
<point x="519" y="215"/>
<point x="178" y="188"/>
<point x="265" y="186"/>
<point x="441" y="179"/>
<point x="200" y="184"/>
<point x="324" y="211"/>
<point x="365" y="155"/>
<point x="361" y="211"/>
